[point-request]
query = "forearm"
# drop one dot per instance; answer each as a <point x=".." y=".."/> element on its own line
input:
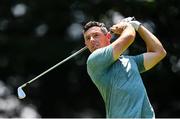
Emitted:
<point x="151" y="41"/>
<point x="126" y="38"/>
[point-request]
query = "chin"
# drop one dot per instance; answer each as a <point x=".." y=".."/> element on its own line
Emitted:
<point x="92" y="50"/>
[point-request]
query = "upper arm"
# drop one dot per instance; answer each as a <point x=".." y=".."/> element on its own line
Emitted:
<point x="155" y="51"/>
<point x="151" y="59"/>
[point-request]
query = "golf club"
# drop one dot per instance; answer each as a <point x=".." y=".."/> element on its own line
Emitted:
<point x="21" y="93"/>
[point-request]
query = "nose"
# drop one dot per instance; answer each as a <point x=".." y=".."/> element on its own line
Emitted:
<point x="92" y="39"/>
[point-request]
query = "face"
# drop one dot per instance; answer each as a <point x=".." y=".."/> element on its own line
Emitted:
<point x="95" y="38"/>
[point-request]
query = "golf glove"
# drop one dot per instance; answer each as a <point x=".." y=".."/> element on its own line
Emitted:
<point x="135" y="24"/>
<point x="132" y="21"/>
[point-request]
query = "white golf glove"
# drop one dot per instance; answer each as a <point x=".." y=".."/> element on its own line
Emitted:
<point x="135" y="24"/>
<point x="132" y="21"/>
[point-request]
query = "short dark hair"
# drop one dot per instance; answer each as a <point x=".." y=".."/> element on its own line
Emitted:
<point x="95" y="23"/>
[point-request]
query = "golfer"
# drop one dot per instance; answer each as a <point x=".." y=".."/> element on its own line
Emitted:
<point x="117" y="76"/>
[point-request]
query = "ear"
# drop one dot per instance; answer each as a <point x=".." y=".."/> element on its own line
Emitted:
<point x="108" y="35"/>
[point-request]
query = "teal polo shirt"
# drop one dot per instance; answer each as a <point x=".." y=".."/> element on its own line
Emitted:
<point x="120" y="84"/>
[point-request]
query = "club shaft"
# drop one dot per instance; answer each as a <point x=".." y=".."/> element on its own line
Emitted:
<point x="61" y="62"/>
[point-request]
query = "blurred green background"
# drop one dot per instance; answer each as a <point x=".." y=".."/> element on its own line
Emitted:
<point x="37" y="34"/>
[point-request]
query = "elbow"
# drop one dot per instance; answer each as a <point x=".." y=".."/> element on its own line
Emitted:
<point x="163" y="53"/>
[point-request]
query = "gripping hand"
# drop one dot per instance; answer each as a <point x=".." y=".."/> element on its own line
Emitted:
<point x="132" y="21"/>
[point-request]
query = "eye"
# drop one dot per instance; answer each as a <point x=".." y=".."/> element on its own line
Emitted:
<point x="87" y="38"/>
<point x="95" y="35"/>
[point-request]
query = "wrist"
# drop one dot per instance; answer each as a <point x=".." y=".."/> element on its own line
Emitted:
<point x="135" y="24"/>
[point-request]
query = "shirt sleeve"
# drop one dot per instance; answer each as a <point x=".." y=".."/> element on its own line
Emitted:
<point x="100" y="59"/>
<point x="139" y="59"/>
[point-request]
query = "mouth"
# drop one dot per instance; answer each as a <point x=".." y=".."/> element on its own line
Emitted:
<point x="94" y="47"/>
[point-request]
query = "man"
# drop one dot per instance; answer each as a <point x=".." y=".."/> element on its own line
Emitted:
<point x="116" y="76"/>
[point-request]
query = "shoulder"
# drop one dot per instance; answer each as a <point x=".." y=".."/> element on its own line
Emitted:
<point x="101" y="58"/>
<point x="139" y="61"/>
<point x="100" y="54"/>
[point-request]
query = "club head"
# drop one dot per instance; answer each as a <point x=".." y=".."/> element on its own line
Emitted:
<point x="21" y="93"/>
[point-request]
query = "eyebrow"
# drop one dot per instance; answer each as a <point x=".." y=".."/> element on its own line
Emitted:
<point x="95" y="32"/>
<point x="92" y="34"/>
